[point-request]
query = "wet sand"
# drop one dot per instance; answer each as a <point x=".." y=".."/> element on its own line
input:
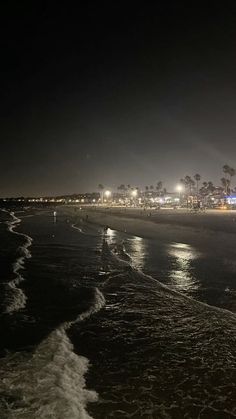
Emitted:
<point x="213" y="226"/>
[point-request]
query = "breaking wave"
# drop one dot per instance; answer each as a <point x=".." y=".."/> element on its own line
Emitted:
<point x="50" y="382"/>
<point x="15" y="298"/>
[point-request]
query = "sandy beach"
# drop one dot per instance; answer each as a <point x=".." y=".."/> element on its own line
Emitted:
<point x="213" y="227"/>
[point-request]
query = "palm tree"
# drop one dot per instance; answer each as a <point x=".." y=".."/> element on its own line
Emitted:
<point x="191" y="185"/>
<point x="232" y="173"/>
<point x="229" y="172"/>
<point x="226" y="170"/>
<point x="210" y="187"/>
<point x="127" y="190"/>
<point x="151" y="187"/>
<point x="225" y="184"/>
<point x="101" y="188"/>
<point x="159" y="187"/>
<point x="146" y="193"/>
<point x="121" y="188"/>
<point x="187" y="181"/>
<point x="197" y="177"/>
<point x="203" y="190"/>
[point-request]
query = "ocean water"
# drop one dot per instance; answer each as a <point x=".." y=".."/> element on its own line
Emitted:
<point x="106" y="325"/>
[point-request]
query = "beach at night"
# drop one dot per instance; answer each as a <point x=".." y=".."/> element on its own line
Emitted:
<point x="131" y="322"/>
<point x="118" y="210"/>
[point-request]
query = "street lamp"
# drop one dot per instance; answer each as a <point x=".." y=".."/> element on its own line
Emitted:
<point x="134" y="193"/>
<point x="179" y="188"/>
<point x="107" y="194"/>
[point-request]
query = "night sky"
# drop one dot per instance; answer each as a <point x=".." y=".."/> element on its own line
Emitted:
<point x="115" y="93"/>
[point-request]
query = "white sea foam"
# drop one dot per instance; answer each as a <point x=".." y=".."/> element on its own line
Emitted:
<point x="16" y="298"/>
<point x="78" y="228"/>
<point x="99" y="303"/>
<point x="50" y="383"/>
<point x="92" y="233"/>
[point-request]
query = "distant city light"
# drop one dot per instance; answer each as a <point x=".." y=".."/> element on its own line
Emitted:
<point x="134" y="193"/>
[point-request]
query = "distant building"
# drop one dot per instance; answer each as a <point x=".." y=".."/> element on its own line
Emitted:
<point x="231" y="200"/>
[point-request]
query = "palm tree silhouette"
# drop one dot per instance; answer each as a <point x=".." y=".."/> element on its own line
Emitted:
<point x="101" y="188"/>
<point x="232" y="173"/>
<point x="210" y="187"/>
<point x="229" y="172"/>
<point x="225" y="184"/>
<point x="159" y="187"/>
<point x="197" y="177"/>
<point x="187" y="181"/>
<point x="121" y="187"/>
<point x="226" y="169"/>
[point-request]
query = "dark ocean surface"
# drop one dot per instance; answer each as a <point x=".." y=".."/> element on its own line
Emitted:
<point x="106" y="325"/>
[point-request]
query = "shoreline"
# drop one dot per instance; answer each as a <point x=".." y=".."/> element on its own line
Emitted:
<point x="165" y="226"/>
